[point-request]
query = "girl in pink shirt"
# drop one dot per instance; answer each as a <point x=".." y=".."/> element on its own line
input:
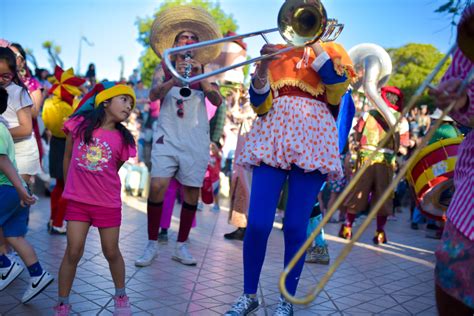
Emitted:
<point x="97" y="145"/>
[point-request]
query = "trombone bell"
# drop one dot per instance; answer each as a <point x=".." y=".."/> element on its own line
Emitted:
<point x="302" y="22"/>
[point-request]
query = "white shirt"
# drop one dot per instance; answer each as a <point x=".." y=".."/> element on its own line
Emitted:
<point x="18" y="98"/>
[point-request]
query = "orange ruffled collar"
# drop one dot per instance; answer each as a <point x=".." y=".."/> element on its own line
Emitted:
<point x="294" y="68"/>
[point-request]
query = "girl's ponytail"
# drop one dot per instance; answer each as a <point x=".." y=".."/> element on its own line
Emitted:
<point x="127" y="136"/>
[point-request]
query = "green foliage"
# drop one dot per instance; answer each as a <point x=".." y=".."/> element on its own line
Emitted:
<point x="149" y="60"/>
<point x="47" y="44"/>
<point x="412" y="63"/>
<point x="453" y="8"/>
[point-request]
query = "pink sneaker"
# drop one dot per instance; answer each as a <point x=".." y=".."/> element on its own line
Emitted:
<point x="122" y="306"/>
<point x="62" y="310"/>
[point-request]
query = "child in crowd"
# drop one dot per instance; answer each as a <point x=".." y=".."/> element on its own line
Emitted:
<point x="57" y="108"/>
<point x="214" y="169"/>
<point x="14" y="211"/>
<point x="18" y="115"/>
<point x="97" y="145"/>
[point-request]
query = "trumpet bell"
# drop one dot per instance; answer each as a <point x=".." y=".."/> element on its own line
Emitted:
<point x="302" y="22"/>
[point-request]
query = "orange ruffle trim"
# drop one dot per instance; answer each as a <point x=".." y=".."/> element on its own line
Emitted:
<point x="284" y="71"/>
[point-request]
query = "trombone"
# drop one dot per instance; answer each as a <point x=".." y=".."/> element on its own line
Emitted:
<point x="300" y="23"/>
<point x="387" y="193"/>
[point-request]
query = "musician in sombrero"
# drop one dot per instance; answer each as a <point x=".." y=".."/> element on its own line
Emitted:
<point x="181" y="139"/>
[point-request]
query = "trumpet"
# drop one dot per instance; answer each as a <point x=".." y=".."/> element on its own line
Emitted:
<point x="346" y="250"/>
<point x="300" y="23"/>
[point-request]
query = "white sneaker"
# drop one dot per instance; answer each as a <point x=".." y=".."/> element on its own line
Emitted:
<point x="8" y="274"/>
<point x="151" y="251"/>
<point x="62" y="230"/>
<point x="37" y="285"/>
<point x="181" y="254"/>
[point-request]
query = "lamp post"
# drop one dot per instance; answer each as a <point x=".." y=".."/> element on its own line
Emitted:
<point x="122" y="65"/>
<point x="83" y="38"/>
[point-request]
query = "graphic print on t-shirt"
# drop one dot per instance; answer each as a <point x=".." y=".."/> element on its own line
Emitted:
<point x="94" y="156"/>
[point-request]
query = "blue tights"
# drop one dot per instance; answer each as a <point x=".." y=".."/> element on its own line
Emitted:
<point x="267" y="183"/>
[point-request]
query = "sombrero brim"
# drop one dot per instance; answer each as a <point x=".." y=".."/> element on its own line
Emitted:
<point x="169" y="23"/>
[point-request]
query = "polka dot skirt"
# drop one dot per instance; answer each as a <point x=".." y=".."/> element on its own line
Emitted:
<point x="296" y="130"/>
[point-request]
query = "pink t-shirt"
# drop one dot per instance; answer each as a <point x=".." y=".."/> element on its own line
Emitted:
<point x="93" y="172"/>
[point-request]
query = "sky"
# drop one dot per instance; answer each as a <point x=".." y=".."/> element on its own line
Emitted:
<point x="111" y="26"/>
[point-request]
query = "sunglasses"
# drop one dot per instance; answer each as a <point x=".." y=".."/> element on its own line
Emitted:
<point x="7" y="76"/>
<point x="18" y="55"/>
<point x="187" y="37"/>
<point x="180" y="105"/>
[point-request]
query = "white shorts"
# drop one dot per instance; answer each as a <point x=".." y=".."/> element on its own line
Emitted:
<point x="27" y="157"/>
<point x="188" y="169"/>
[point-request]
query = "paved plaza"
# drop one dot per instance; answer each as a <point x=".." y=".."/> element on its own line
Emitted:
<point x="393" y="279"/>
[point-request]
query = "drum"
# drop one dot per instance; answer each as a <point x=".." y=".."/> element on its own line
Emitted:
<point x="431" y="177"/>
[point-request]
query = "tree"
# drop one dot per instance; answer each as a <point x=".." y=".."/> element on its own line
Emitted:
<point x="149" y="60"/>
<point x="53" y="52"/>
<point x="411" y="64"/>
<point x="453" y="8"/>
<point x="31" y="57"/>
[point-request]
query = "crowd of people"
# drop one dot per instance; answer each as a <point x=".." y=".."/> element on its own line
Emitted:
<point x="272" y="147"/>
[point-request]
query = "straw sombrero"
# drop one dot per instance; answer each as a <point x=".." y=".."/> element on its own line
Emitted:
<point x="172" y="21"/>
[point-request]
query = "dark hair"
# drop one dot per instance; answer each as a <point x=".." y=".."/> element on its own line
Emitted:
<point x="23" y="54"/>
<point x="90" y="71"/>
<point x="20" y="49"/>
<point x="7" y="55"/>
<point x="93" y="119"/>
<point x="3" y="100"/>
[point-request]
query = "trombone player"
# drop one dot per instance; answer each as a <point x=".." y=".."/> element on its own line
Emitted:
<point x="296" y="95"/>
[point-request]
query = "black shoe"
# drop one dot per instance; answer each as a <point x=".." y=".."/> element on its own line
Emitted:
<point x="432" y="227"/>
<point x="414" y="226"/>
<point x="238" y="234"/>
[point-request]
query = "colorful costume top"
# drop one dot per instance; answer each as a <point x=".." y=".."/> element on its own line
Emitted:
<point x="372" y="128"/>
<point x="62" y="103"/>
<point x="327" y="81"/>
<point x="296" y="126"/>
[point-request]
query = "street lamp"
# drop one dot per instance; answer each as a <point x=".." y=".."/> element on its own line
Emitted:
<point x="83" y="38"/>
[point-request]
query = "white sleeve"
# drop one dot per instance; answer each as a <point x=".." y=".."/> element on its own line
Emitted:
<point x="319" y="61"/>
<point x="262" y="90"/>
<point x="19" y="98"/>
